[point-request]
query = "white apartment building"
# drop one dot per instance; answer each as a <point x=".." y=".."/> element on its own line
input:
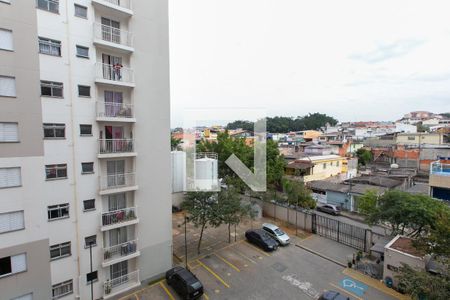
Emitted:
<point x="84" y="84"/>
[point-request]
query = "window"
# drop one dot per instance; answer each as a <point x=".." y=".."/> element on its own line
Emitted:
<point x="87" y="168"/>
<point x="411" y="138"/>
<point x="92" y="276"/>
<point x="51" y="89"/>
<point x="6" y="40"/>
<point x="11" y="221"/>
<point x="84" y="91"/>
<point x="9" y="132"/>
<point x="90" y="240"/>
<point x="49" y="46"/>
<point x="85" y="129"/>
<point x="60" y="250"/>
<point x="82" y="51"/>
<point x="59" y="211"/>
<point x="80" y="11"/>
<point x="337" y="164"/>
<point x="56" y="171"/>
<point x="10" y="177"/>
<point x="324" y="166"/>
<point x="62" y="289"/>
<point x="7" y="86"/>
<point x="89" y="204"/>
<point x="49" y="5"/>
<point x="53" y="130"/>
<point x="27" y="296"/>
<point x="13" y="264"/>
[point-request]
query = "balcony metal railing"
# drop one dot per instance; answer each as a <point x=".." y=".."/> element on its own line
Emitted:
<point x="119" y="216"/>
<point x="120" y="250"/>
<point x="107" y="146"/>
<point x="113" y="35"/>
<point x="118" y="180"/>
<point x="49" y="5"/>
<point x="114" y="72"/>
<point x="114" y="285"/>
<point x="438" y="168"/>
<point x="121" y="3"/>
<point x="114" y="110"/>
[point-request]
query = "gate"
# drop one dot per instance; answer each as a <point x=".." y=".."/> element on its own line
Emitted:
<point x="340" y="232"/>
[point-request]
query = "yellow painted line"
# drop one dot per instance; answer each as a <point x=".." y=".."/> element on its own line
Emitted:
<point x="227" y="262"/>
<point x="259" y="250"/>
<point x="347" y="292"/>
<point x="244" y="256"/>
<point x="136" y="296"/>
<point x="374" y="283"/>
<point x="206" y="296"/>
<point x="213" y="273"/>
<point x="167" y="291"/>
<point x="152" y="285"/>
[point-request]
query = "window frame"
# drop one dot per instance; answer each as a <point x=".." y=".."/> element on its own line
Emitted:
<point x="48" y="6"/>
<point x="12" y="39"/>
<point x="17" y="126"/>
<point x="88" y="201"/>
<point x="83" y="48"/>
<point x="57" y="168"/>
<point x="83" y="172"/>
<point x="60" y="248"/>
<point x="85" y="134"/>
<point x="54" y="127"/>
<point x="84" y="86"/>
<point x="52" y="85"/>
<point x="80" y="6"/>
<point x="20" y="178"/>
<point x="88" y="282"/>
<point x="15" y="86"/>
<point x="86" y="245"/>
<point x="52" y="46"/>
<point x="60" y="285"/>
<point x="60" y="208"/>
<point x="23" y="220"/>
<point x="10" y="261"/>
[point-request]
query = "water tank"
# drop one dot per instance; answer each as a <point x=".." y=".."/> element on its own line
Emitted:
<point x="206" y="174"/>
<point x="178" y="161"/>
<point x="394" y="166"/>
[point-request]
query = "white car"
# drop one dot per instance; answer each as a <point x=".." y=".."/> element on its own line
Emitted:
<point x="275" y="232"/>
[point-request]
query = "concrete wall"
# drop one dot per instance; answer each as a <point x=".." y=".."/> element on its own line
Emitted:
<point x="304" y="220"/>
<point x="395" y="258"/>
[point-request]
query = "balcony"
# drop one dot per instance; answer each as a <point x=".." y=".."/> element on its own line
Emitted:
<point x="120" y="8"/>
<point x="113" y="38"/>
<point x="118" y="253"/>
<point x="117" y="183"/>
<point x="115" y="112"/>
<point x="109" y="148"/>
<point x="116" y="75"/>
<point x="119" y="218"/>
<point x="115" y="286"/>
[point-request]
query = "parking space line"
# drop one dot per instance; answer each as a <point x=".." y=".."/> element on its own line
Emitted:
<point x="345" y="291"/>
<point x="244" y="256"/>
<point x="227" y="262"/>
<point x="206" y="296"/>
<point x="213" y="273"/>
<point x="259" y="250"/>
<point x="167" y="291"/>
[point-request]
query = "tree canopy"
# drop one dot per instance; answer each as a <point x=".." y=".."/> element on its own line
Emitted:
<point x="285" y="124"/>
<point x="364" y="156"/>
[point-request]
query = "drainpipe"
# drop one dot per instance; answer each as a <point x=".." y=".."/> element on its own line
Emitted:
<point x="72" y="123"/>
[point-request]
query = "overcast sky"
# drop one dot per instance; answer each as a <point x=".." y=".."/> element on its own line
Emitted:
<point x="354" y="60"/>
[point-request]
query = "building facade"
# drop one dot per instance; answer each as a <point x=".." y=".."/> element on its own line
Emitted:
<point x="81" y="84"/>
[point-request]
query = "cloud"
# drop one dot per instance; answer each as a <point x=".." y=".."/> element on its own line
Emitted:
<point x="388" y="51"/>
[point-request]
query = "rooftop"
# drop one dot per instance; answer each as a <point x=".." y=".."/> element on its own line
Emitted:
<point x="405" y="245"/>
<point x="321" y="157"/>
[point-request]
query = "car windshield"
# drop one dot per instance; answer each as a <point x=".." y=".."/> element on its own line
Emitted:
<point x="196" y="285"/>
<point x="278" y="232"/>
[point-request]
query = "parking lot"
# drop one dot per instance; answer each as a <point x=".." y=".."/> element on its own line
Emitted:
<point x="242" y="271"/>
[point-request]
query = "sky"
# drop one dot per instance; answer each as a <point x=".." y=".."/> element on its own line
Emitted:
<point x="354" y="60"/>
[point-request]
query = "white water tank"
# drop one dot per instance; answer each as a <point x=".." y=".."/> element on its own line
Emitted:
<point x="206" y="174"/>
<point x="178" y="162"/>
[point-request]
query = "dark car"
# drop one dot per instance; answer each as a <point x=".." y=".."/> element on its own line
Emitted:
<point x="329" y="209"/>
<point x="184" y="283"/>
<point x="332" y="295"/>
<point x="261" y="239"/>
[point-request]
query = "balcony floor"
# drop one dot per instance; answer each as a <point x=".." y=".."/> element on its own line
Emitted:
<point x="117" y="190"/>
<point x="119" y="224"/>
<point x="114" y="46"/>
<point x="114" y="155"/>
<point x="109" y="262"/>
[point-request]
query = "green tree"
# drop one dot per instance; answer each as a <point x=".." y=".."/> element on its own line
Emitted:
<point x="203" y="209"/>
<point x="364" y="156"/>
<point x="298" y="194"/>
<point x="174" y="143"/>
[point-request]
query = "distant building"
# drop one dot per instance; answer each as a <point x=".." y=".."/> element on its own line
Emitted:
<point x="316" y="167"/>
<point x="420" y="138"/>
<point x="440" y="181"/>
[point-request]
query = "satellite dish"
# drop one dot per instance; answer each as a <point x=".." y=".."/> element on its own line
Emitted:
<point x="394" y="166"/>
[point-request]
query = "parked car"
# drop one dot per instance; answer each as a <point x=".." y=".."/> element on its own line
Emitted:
<point x="333" y="295"/>
<point x="184" y="283"/>
<point x="329" y="209"/>
<point x="261" y="239"/>
<point x="276" y="233"/>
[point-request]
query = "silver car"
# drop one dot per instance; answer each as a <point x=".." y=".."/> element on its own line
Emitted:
<point x="275" y="232"/>
<point x="329" y="209"/>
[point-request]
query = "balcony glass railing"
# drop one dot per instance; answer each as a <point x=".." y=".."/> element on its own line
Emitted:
<point x="120" y="250"/>
<point x="109" y="146"/>
<point x="114" y="110"/>
<point x="120" y="283"/>
<point x="115" y="72"/>
<point x="119" y="216"/>
<point x="438" y="168"/>
<point x="118" y="180"/>
<point x="113" y="35"/>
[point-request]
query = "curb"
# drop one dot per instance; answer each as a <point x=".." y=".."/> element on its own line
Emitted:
<point x="321" y="255"/>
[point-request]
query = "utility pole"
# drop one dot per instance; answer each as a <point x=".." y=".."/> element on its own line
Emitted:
<point x="92" y="280"/>
<point x="185" y="242"/>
